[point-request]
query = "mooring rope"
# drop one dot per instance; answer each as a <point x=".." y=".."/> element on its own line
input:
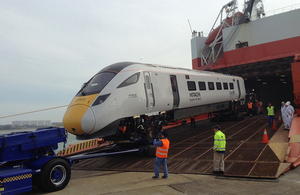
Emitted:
<point x="33" y="111"/>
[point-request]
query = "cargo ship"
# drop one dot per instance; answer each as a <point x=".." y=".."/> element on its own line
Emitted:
<point x="254" y="45"/>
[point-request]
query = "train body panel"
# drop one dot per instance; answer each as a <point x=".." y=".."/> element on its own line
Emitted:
<point x="125" y="90"/>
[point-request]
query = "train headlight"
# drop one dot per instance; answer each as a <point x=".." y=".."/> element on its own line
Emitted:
<point x="100" y="99"/>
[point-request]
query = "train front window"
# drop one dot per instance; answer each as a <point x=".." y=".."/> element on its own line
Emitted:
<point x="96" y="84"/>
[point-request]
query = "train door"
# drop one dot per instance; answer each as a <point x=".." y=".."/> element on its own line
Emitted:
<point x="150" y="101"/>
<point x="239" y="88"/>
<point x="175" y="91"/>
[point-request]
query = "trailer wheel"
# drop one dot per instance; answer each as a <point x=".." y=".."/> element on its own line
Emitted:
<point x="55" y="175"/>
<point x="151" y="151"/>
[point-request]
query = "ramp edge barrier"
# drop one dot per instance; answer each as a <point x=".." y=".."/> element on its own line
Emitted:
<point x="294" y="145"/>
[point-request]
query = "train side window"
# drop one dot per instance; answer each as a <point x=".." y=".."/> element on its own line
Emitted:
<point x="231" y="86"/>
<point x="147" y="81"/>
<point x="219" y="86"/>
<point x="131" y="80"/>
<point x="202" y="85"/>
<point x="191" y="85"/>
<point x="211" y="86"/>
<point x="225" y="86"/>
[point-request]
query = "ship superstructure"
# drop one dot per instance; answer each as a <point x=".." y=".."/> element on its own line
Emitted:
<point x="249" y="37"/>
<point x="252" y="44"/>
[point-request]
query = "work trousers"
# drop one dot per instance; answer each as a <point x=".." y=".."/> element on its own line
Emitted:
<point x="289" y="121"/>
<point x="158" y="162"/>
<point x="250" y="111"/>
<point x="193" y="124"/>
<point x="285" y="121"/>
<point x="270" y="119"/>
<point x="219" y="162"/>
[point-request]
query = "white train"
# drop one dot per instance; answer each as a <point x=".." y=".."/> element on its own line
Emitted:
<point x="126" y="90"/>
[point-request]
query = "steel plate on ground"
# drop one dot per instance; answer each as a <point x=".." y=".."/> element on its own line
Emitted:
<point x="191" y="151"/>
<point x="265" y="169"/>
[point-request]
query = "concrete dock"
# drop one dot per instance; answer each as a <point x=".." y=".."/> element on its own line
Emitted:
<point x="114" y="182"/>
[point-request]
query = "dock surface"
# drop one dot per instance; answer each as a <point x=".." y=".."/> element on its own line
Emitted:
<point x="123" y="183"/>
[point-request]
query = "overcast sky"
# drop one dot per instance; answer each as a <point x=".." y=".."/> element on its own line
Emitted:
<point x="48" y="49"/>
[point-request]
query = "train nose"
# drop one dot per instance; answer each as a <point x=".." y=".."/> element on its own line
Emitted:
<point x="79" y="119"/>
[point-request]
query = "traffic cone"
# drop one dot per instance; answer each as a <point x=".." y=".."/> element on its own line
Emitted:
<point x="265" y="137"/>
<point x="274" y="125"/>
<point x="280" y="119"/>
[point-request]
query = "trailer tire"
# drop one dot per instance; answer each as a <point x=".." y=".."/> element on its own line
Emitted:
<point x="55" y="175"/>
<point x="151" y="151"/>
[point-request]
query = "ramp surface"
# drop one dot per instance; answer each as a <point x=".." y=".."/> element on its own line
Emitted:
<point x="191" y="151"/>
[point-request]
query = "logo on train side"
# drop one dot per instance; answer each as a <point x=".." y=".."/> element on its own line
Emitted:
<point x="80" y="99"/>
<point x="195" y="96"/>
<point x="132" y="95"/>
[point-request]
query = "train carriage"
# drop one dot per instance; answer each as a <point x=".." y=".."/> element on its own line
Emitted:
<point x="122" y="91"/>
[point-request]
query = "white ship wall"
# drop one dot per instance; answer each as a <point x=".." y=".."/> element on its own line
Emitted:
<point x="196" y="44"/>
<point x="273" y="28"/>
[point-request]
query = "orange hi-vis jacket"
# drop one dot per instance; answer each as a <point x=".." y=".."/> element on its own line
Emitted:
<point x="162" y="151"/>
<point x="250" y="105"/>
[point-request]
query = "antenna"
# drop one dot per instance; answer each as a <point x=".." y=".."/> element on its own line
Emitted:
<point x="190" y="26"/>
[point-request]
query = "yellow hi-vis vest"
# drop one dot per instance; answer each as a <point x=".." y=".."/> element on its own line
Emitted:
<point x="270" y="111"/>
<point x="220" y="141"/>
<point x="162" y="151"/>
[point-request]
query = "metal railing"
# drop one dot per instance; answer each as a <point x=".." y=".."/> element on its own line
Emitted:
<point x="267" y="14"/>
<point x="282" y="10"/>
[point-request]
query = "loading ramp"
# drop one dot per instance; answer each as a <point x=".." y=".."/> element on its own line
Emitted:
<point x="191" y="151"/>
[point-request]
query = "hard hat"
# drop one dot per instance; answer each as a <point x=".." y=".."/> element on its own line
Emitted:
<point x="288" y="103"/>
<point x="217" y="127"/>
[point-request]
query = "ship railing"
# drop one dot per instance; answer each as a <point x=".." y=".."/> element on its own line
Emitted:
<point x="282" y="10"/>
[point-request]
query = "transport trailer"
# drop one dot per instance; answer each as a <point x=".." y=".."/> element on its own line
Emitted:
<point x="28" y="158"/>
<point x="140" y="146"/>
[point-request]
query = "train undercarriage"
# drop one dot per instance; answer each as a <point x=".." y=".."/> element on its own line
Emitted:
<point x="149" y="127"/>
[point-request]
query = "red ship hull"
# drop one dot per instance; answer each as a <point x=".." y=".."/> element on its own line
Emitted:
<point x="257" y="53"/>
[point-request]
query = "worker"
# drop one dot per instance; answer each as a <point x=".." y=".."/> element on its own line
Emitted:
<point x="193" y="123"/>
<point x="284" y="115"/>
<point x="219" y="150"/>
<point x="122" y="129"/>
<point x="183" y="121"/>
<point x="259" y="105"/>
<point x="290" y="113"/>
<point x="271" y="113"/>
<point x="161" y="155"/>
<point x="250" y="107"/>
